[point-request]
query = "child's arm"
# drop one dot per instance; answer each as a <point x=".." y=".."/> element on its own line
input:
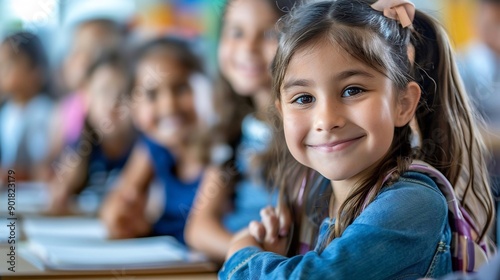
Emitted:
<point x="394" y="235"/>
<point x="64" y="185"/>
<point x="123" y="211"/>
<point x="204" y="229"/>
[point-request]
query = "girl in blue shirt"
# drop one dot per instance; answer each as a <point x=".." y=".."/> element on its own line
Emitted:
<point x="171" y="150"/>
<point x="349" y="77"/>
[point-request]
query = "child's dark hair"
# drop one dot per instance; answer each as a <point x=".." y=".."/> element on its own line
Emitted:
<point x="451" y="140"/>
<point x="182" y="51"/>
<point x="29" y="45"/>
<point x="112" y="58"/>
<point x="179" y="48"/>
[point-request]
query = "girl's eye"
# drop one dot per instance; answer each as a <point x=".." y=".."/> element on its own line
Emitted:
<point x="352" y="91"/>
<point x="237" y="34"/>
<point x="234" y="33"/>
<point x="304" y="99"/>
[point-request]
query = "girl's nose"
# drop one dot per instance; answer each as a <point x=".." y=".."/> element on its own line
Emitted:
<point x="328" y="117"/>
<point x="252" y="43"/>
<point x="166" y="103"/>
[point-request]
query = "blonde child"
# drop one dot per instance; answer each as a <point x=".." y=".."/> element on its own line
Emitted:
<point x="349" y="76"/>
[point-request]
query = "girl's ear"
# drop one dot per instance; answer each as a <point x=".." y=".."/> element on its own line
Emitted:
<point x="407" y="104"/>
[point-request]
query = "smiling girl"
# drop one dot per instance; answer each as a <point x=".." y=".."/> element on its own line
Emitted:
<point x="349" y="76"/>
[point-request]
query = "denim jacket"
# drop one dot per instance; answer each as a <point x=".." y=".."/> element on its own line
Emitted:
<point x="403" y="234"/>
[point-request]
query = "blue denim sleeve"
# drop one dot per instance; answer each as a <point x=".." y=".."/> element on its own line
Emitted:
<point x="395" y="237"/>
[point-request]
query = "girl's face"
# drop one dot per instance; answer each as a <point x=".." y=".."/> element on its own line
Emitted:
<point x="104" y="89"/>
<point x="16" y="71"/>
<point x="247" y="45"/>
<point x="339" y="114"/>
<point x="166" y="109"/>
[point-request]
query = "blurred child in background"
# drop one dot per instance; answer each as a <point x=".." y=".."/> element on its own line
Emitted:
<point x="480" y="66"/>
<point x="91" y="39"/>
<point x="106" y="140"/>
<point x="233" y="192"/>
<point x="170" y="149"/>
<point x="24" y="117"/>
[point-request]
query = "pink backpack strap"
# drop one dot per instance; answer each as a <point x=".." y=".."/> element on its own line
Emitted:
<point x="467" y="255"/>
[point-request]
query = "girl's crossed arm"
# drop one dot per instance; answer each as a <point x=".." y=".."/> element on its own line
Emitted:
<point x="375" y="246"/>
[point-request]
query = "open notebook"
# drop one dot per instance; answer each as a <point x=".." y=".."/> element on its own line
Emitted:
<point x="80" y="243"/>
<point x="88" y="254"/>
<point x="63" y="228"/>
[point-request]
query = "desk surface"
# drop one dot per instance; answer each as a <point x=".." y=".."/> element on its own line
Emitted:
<point x="25" y="270"/>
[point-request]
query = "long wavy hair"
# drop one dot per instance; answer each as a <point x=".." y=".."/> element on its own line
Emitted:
<point x="449" y="130"/>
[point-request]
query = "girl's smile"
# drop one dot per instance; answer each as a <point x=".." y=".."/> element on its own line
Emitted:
<point x="337" y="145"/>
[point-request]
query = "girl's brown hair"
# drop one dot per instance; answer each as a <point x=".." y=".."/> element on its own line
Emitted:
<point x="449" y="130"/>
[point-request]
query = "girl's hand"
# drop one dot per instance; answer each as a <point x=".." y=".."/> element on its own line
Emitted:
<point x="123" y="213"/>
<point x="273" y="232"/>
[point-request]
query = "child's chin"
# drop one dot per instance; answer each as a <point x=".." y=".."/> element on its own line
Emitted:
<point x="172" y="138"/>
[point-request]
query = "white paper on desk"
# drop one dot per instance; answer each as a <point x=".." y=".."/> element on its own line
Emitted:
<point x="109" y="254"/>
<point x="31" y="197"/>
<point x="63" y="227"/>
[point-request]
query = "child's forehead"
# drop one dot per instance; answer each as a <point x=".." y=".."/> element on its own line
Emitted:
<point x="249" y="10"/>
<point x="162" y="68"/>
<point x="349" y="45"/>
<point x="161" y="59"/>
<point x="319" y="47"/>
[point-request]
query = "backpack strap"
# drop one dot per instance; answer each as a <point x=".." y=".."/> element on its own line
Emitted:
<point x="467" y="255"/>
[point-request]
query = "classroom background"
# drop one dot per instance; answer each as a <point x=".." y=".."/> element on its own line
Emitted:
<point x="53" y="20"/>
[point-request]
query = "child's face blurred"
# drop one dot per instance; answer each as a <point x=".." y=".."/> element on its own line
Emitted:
<point x="166" y="108"/>
<point x="247" y="45"/>
<point x="489" y="25"/>
<point x="338" y="114"/>
<point x="90" y="39"/>
<point x="104" y="89"/>
<point x="16" y="71"/>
